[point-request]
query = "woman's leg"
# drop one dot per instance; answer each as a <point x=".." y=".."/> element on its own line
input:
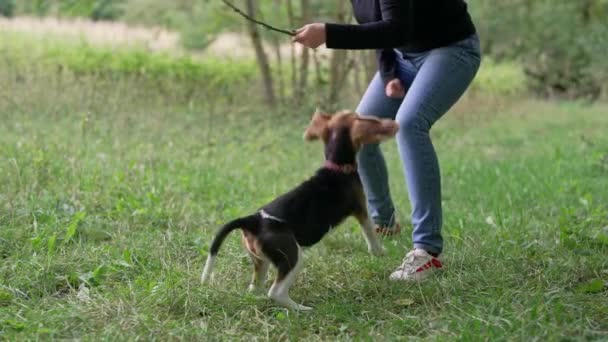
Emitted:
<point x="443" y="76"/>
<point x="371" y="164"/>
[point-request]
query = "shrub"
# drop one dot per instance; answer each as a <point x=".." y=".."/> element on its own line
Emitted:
<point x="92" y="9"/>
<point x="33" y="7"/>
<point x="499" y="79"/>
<point x="107" y="9"/>
<point x="7" y="8"/>
<point x="560" y="43"/>
<point x="87" y="59"/>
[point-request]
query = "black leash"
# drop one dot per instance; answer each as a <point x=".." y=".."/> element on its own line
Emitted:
<point x="270" y="27"/>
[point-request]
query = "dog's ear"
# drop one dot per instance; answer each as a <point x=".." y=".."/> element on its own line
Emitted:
<point x="317" y="127"/>
<point x="370" y="130"/>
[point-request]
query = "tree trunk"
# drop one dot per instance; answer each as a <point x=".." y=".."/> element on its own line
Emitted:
<point x="294" y="61"/>
<point x="303" y="79"/>
<point x="338" y="68"/>
<point x="279" y="57"/>
<point x="262" y="58"/>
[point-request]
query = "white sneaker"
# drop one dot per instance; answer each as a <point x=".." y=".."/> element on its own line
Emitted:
<point x="417" y="265"/>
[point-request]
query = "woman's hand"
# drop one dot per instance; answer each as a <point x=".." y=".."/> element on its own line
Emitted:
<point x="311" y="35"/>
<point x="394" y="88"/>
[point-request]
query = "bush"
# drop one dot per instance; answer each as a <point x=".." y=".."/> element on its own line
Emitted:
<point x="86" y="59"/>
<point x="560" y="43"/>
<point x="499" y="79"/>
<point x="92" y="9"/>
<point x="107" y="10"/>
<point x="7" y="8"/>
<point x="75" y="8"/>
<point x="198" y="22"/>
<point x="33" y="7"/>
<point x="47" y="76"/>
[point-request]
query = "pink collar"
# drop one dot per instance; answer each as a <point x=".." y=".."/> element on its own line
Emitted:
<point x="344" y="168"/>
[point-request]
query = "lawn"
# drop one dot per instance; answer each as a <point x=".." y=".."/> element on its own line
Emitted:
<point x="106" y="218"/>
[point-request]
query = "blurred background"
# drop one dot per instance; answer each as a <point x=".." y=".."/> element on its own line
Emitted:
<point x="188" y="52"/>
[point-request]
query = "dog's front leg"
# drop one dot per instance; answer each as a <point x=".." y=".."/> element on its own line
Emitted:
<point x="373" y="245"/>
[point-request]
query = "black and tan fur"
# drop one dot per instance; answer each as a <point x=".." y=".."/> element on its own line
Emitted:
<point x="278" y="231"/>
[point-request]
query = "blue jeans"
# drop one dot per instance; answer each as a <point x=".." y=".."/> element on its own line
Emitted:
<point x="434" y="81"/>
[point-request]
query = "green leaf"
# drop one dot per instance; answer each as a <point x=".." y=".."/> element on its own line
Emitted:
<point x="5" y="297"/>
<point x="281" y="316"/>
<point x="76" y="219"/>
<point x="593" y="286"/>
<point x="94" y="277"/>
<point x="126" y="256"/>
<point x="18" y="326"/>
<point x="99" y="273"/>
<point x="51" y="244"/>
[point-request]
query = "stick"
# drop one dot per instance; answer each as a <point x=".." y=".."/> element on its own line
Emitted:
<point x="244" y="15"/>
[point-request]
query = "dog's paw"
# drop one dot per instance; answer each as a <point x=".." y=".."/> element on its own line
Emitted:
<point x="377" y="251"/>
<point x="255" y="289"/>
<point x="300" y="307"/>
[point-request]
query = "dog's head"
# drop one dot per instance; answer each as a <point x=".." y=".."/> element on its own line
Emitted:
<point x="344" y="132"/>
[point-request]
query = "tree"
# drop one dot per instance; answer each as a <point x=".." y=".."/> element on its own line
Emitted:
<point x="260" y="53"/>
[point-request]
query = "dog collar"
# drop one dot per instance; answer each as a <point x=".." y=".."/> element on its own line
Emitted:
<point x="343" y="168"/>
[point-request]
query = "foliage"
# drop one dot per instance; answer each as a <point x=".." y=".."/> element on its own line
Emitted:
<point x="92" y="9"/>
<point x="560" y="43"/>
<point x="7" y="8"/>
<point x="503" y="79"/>
<point x="75" y="8"/>
<point x="83" y="58"/>
<point x="198" y="21"/>
<point x="87" y="59"/>
<point x="107" y="9"/>
<point x="34" y="7"/>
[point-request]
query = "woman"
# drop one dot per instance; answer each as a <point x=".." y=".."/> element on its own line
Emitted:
<point x="428" y="54"/>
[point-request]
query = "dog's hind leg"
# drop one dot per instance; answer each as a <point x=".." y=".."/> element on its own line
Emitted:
<point x="287" y="257"/>
<point x="260" y="262"/>
<point x="260" y="272"/>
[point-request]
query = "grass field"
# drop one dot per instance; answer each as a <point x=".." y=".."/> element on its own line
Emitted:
<point x="106" y="218"/>
<point x="114" y="176"/>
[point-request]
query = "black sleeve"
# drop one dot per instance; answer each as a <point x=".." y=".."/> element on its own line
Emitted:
<point x="386" y="64"/>
<point x="391" y="31"/>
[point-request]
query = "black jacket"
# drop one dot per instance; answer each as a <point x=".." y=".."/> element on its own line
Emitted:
<point x="408" y="25"/>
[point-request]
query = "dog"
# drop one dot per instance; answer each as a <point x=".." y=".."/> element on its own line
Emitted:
<point x="278" y="232"/>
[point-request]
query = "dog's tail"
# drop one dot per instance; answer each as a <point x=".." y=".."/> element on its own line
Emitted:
<point x="250" y="223"/>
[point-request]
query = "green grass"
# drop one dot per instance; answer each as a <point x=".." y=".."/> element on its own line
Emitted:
<point x="117" y="168"/>
<point x="106" y="214"/>
<point x="53" y="54"/>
